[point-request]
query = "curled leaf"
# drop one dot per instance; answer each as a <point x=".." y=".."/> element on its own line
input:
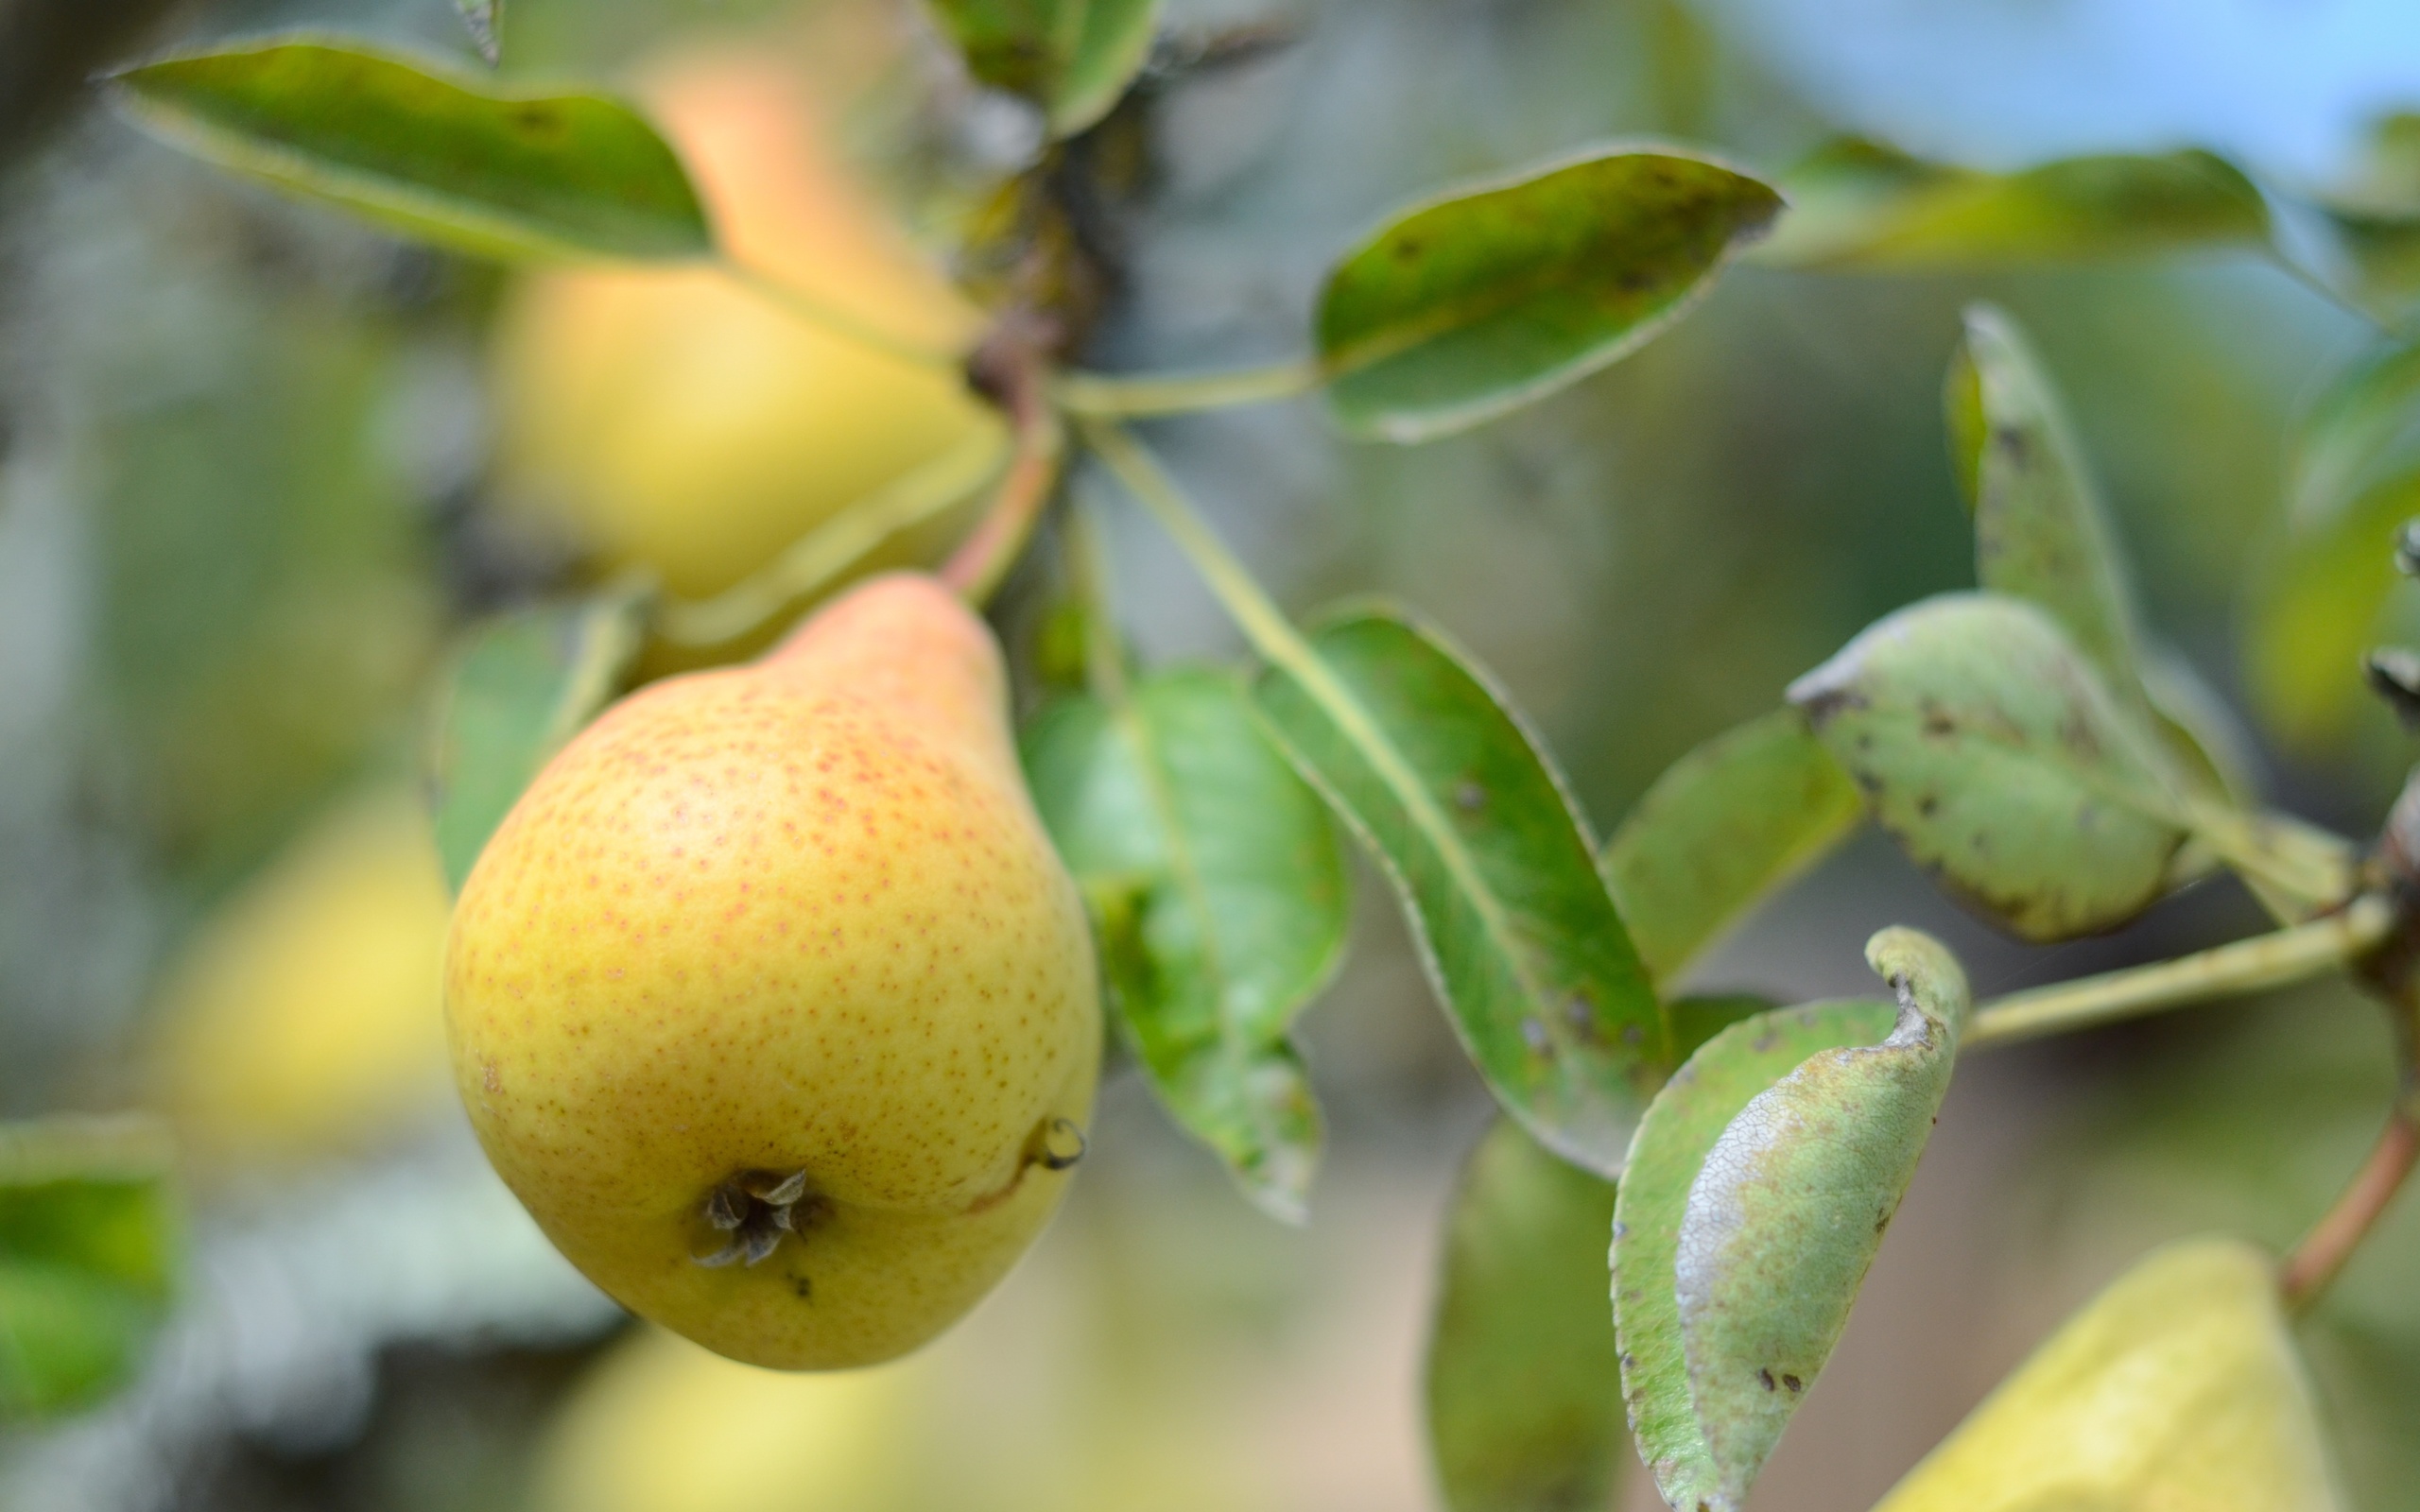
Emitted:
<point x="1681" y="1126"/>
<point x="1785" y="1215"/>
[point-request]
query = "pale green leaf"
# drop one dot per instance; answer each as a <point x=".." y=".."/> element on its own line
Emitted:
<point x="1472" y="825"/>
<point x="1861" y="205"/>
<point x="1073" y="58"/>
<point x="88" y="1255"/>
<point x="1525" y="1411"/>
<point x="2353" y="424"/>
<point x="1723" y="828"/>
<point x="1681" y="1125"/>
<point x="1988" y="747"/>
<point x="1218" y="893"/>
<point x="2041" y="531"/>
<point x="2317" y="606"/>
<point x="1785" y="1216"/>
<point x="1494" y="294"/>
<point x="466" y="163"/>
<point x="522" y="684"/>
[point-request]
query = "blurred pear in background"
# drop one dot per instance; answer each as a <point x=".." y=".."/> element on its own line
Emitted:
<point x="678" y="419"/>
<point x="301" y="1021"/>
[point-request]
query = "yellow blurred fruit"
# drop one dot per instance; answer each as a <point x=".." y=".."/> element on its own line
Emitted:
<point x="771" y="999"/>
<point x="305" y="1018"/>
<point x="2175" y="1390"/>
<point x="676" y="419"/>
<point x="662" y="1425"/>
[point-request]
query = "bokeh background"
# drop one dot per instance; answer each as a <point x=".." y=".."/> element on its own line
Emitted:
<point x="247" y="499"/>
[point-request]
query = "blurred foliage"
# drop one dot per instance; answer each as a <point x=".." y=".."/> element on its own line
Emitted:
<point x="244" y="482"/>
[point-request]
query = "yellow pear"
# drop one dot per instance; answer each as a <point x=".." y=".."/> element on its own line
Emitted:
<point x="2175" y="1390"/>
<point x="772" y="1000"/>
<point x="304" y="1018"/>
<point x="660" y="1425"/>
<point x="676" y="419"/>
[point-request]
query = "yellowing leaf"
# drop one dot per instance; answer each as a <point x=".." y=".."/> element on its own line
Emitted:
<point x="2176" y="1390"/>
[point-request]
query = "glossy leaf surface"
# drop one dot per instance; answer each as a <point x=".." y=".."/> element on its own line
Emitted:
<point x="87" y="1258"/>
<point x="1218" y="890"/>
<point x="1990" y="750"/>
<point x="1724" y="827"/>
<point x="1460" y="808"/>
<point x="1073" y="58"/>
<point x="1861" y="205"/>
<point x="1681" y="1126"/>
<point x="2179" y="1386"/>
<point x="1790" y="1208"/>
<point x="524" y="684"/>
<point x="1524" y="1382"/>
<point x="1479" y="301"/>
<point x="469" y="164"/>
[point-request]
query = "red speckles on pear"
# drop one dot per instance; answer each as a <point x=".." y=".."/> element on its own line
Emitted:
<point x="795" y="914"/>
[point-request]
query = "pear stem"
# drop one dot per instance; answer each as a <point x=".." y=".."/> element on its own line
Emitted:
<point x="2254" y="965"/>
<point x="1107" y="397"/>
<point x="1010" y="369"/>
<point x="2339" y="1232"/>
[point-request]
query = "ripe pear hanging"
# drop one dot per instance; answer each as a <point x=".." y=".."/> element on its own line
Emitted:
<point x="2175" y="1390"/>
<point x="771" y="999"/>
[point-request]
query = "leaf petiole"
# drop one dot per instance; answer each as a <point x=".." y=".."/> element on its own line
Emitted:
<point x="1102" y="396"/>
<point x="834" y="318"/>
<point x="2265" y="961"/>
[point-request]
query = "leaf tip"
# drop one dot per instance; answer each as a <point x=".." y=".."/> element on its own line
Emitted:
<point x="1921" y="969"/>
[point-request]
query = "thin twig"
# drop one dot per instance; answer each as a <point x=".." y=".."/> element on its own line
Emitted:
<point x="2253" y="965"/>
<point x="2341" y="1228"/>
<point x="1107" y="397"/>
<point x="1010" y="368"/>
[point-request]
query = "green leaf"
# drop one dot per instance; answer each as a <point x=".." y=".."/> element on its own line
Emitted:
<point x="1785" y="1217"/>
<point x="465" y="164"/>
<point x="484" y="18"/>
<point x="524" y="684"/>
<point x="2041" y="532"/>
<point x="1681" y="1126"/>
<point x="1219" y="891"/>
<point x="2318" y="607"/>
<point x="2376" y="221"/>
<point x="1525" y="1411"/>
<point x="1073" y="58"/>
<point x="1989" y="748"/>
<point x="87" y="1258"/>
<point x="1722" y="829"/>
<point x="1857" y="204"/>
<point x="1492" y="295"/>
<point x="1472" y="825"/>
<point x="2349" y="429"/>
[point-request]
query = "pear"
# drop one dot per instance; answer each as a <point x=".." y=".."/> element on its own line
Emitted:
<point x="674" y="419"/>
<point x="660" y="1425"/>
<point x="300" y="1021"/>
<point x="2175" y="1390"/>
<point x="771" y="999"/>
